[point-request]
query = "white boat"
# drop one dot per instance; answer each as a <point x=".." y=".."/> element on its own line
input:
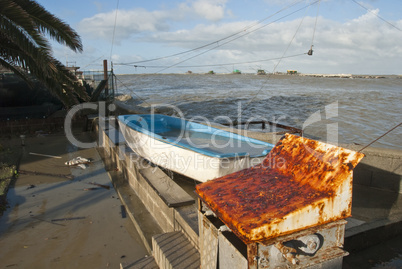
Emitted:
<point x="195" y="150"/>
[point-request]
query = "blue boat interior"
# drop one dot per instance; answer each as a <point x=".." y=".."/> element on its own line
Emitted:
<point x="197" y="137"/>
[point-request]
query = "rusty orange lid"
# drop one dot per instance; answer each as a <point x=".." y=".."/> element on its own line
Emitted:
<point x="300" y="184"/>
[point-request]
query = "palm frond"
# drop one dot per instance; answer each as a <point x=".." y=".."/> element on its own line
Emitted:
<point x="22" y="74"/>
<point x="23" y="24"/>
<point x="49" y="24"/>
<point x="16" y="40"/>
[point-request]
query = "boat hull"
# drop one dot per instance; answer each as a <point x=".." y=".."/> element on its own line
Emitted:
<point x="182" y="146"/>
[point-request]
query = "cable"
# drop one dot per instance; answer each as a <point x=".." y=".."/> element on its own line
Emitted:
<point x="233" y="35"/>
<point x="220" y="64"/>
<point x="247" y="33"/>
<point x="143" y="100"/>
<point x="381" y="136"/>
<point x="222" y="39"/>
<point x="236" y="36"/>
<point x="273" y="71"/>
<point x="290" y="43"/>
<point x="91" y="63"/>
<point x="378" y="16"/>
<point x="114" y="30"/>
<point x="315" y="24"/>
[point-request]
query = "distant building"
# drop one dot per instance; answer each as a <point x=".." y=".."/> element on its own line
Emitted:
<point x="237" y="72"/>
<point x="292" y="72"/>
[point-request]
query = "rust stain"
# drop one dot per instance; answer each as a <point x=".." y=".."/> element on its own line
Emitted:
<point x="252" y="252"/>
<point x="298" y="173"/>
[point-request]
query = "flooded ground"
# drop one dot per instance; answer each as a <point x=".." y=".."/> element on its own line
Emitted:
<point x="56" y="222"/>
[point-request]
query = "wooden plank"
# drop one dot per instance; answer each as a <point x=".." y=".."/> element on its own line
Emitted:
<point x="171" y="193"/>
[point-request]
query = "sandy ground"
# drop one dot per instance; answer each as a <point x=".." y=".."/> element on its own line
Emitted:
<point x="57" y="222"/>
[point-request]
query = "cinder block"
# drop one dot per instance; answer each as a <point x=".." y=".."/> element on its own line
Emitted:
<point x="173" y="250"/>
<point x="164" y="221"/>
<point x="186" y="221"/>
<point x="362" y="177"/>
<point x="145" y="263"/>
<point x="387" y="181"/>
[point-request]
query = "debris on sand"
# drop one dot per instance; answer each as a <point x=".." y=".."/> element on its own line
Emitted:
<point x="79" y="162"/>
<point x="91" y="189"/>
<point x="45" y="155"/>
<point x="100" y="185"/>
<point x="66" y="219"/>
<point x="35" y="173"/>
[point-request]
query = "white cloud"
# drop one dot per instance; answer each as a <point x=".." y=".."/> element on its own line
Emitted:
<point x="141" y="21"/>
<point x="128" y="23"/>
<point x="279" y="2"/>
<point x="212" y="10"/>
<point x="359" y="45"/>
<point x="98" y="5"/>
<point x="367" y="17"/>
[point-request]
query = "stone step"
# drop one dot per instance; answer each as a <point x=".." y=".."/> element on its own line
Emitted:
<point x="168" y="190"/>
<point x="174" y="251"/>
<point x="145" y="263"/>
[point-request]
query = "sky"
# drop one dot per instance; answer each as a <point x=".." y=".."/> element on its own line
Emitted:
<point x="176" y="36"/>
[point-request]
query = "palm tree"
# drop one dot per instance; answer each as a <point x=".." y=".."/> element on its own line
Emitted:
<point x="25" y="50"/>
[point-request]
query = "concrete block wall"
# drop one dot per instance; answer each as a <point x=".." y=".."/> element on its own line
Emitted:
<point x="182" y="223"/>
<point x="380" y="168"/>
<point x="133" y="168"/>
<point x="169" y="218"/>
<point x="155" y="204"/>
<point x="130" y="164"/>
<point x="173" y="250"/>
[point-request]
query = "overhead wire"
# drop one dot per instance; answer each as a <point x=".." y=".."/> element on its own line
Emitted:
<point x="378" y="16"/>
<point x="394" y="26"/>
<point x="315" y="27"/>
<point x="381" y="136"/>
<point x="233" y="39"/>
<point x="142" y="99"/>
<point x="279" y="61"/>
<point x="91" y="63"/>
<point x="290" y="43"/>
<point x="224" y="64"/>
<point x="225" y="38"/>
<point x="114" y="30"/>
<point x="246" y="28"/>
<point x="235" y="34"/>
<point x="245" y="31"/>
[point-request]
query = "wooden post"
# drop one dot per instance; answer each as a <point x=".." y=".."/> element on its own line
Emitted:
<point x="105" y="77"/>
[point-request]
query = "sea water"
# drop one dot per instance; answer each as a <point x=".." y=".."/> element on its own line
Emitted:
<point x="337" y="110"/>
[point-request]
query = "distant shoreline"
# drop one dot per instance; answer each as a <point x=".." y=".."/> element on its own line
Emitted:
<point x="351" y="76"/>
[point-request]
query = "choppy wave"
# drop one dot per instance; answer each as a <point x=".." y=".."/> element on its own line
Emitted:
<point x="360" y="109"/>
